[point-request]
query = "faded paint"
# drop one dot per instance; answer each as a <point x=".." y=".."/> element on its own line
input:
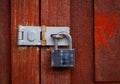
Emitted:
<point x="104" y="23"/>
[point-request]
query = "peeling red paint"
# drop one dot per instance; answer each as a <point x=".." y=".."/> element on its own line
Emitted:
<point x="104" y="23"/>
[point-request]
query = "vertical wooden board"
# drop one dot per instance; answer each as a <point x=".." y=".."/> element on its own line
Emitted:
<point x="5" y="42"/>
<point x="25" y="60"/>
<point x="82" y="32"/>
<point x="107" y="40"/>
<point x="54" y="13"/>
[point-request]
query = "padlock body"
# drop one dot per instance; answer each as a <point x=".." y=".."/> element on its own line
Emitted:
<point x="63" y="58"/>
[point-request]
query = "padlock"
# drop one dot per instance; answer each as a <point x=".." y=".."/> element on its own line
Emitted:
<point x="62" y="57"/>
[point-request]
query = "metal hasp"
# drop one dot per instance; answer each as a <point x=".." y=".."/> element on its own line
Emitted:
<point x="49" y="36"/>
<point x="55" y="30"/>
<point x="29" y="35"/>
<point x="40" y="35"/>
<point x="62" y="57"/>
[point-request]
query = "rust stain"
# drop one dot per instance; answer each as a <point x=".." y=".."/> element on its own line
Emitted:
<point x="104" y="23"/>
<point x="43" y="35"/>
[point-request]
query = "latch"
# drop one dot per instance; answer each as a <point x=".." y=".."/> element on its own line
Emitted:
<point x="40" y="35"/>
<point x="49" y="36"/>
<point x="29" y="35"/>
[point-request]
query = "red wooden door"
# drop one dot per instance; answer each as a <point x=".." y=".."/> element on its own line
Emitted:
<point x="107" y="40"/>
<point x="94" y="26"/>
<point x="5" y="66"/>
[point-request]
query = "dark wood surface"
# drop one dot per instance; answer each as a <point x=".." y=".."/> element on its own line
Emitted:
<point x="54" y="13"/>
<point x="82" y="33"/>
<point x="25" y="60"/>
<point x="107" y="40"/>
<point x="5" y="65"/>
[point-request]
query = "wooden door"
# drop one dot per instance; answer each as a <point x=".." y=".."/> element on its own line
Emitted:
<point x="5" y="59"/>
<point x="94" y="27"/>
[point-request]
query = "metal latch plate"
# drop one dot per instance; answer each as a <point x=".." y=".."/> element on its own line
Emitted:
<point x="55" y="30"/>
<point x="40" y="35"/>
<point x="29" y="35"/>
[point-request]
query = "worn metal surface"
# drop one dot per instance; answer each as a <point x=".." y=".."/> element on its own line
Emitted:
<point x="29" y="35"/>
<point x="40" y="35"/>
<point x="63" y="58"/>
<point x="55" y="30"/>
<point x="43" y="35"/>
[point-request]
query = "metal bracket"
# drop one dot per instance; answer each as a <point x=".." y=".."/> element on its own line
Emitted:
<point x="29" y="35"/>
<point x="40" y="35"/>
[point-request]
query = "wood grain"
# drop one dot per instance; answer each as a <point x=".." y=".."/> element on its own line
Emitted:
<point x="83" y="42"/>
<point x="5" y="64"/>
<point x="25" y="60"/>
<point x="54" y="13"/>
<point x="107" y="40"/>
<point x="82" y="32"/>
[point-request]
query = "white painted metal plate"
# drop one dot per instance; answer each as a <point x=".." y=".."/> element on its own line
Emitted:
<point x="55" y="30"/>
<point x="29" y="35"/>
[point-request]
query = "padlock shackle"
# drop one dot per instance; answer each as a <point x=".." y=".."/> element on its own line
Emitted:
<point x="68" y="37"/>
<point x="56" y="38"/>
<point x="56" y="44"/>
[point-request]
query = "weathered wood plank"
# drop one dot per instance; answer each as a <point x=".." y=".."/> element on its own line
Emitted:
<point x="54" y="13"/>
<point x="107" y="40"/>
<point x="25" y="60"/>
<point x="82" y="32"/>
<point x="5" y="64"/>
